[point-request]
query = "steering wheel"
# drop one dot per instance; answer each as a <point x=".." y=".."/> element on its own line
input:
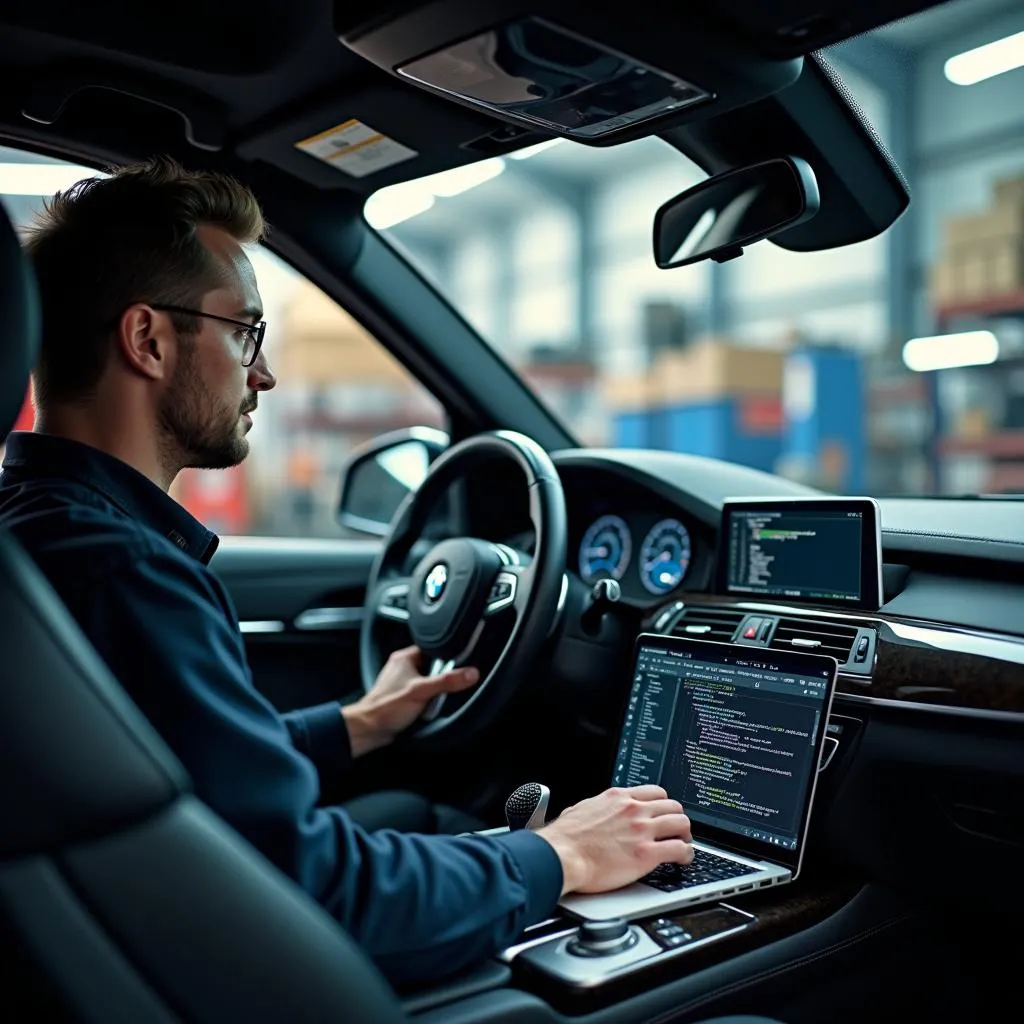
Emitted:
<point x="465" y="586"/>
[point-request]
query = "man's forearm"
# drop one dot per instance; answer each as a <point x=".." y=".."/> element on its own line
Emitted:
<point x="363" y="734"/>
<point x="321" y="733"/>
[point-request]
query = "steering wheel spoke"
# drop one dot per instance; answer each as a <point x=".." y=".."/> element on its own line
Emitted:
<point x="437" y="667"/>
<point x="392" y="600"/>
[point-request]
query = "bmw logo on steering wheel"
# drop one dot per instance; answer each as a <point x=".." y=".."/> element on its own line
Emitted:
<point x="436" y="581"/>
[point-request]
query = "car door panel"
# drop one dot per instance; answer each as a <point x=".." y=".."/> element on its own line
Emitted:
<point x="300" y="605"/>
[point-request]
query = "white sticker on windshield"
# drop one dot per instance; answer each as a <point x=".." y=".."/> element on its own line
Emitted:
<point x="356" y="149"/>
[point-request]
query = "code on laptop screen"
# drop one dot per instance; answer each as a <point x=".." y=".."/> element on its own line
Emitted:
<point x="730" y="732"/>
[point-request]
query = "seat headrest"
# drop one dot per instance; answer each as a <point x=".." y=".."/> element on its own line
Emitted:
<point x="19" y="307"/>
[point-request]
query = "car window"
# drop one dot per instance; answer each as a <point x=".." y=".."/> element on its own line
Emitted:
<point x="889" y="367"/>
<point x="337" y="389"/>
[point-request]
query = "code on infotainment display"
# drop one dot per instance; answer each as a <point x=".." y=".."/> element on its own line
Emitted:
<point x="813" y="555"/>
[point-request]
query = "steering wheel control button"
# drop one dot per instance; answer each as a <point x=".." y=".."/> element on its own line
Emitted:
<point x="503" y="592"/>
<point x="527" y="807"/>
<point x="394" y="602"/>
<point x="603" y="938"/>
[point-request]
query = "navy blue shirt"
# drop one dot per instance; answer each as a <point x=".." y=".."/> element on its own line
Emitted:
<point x="131" y="565"/>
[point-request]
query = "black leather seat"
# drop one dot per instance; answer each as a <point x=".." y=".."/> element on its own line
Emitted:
<point x="123" y="898"/>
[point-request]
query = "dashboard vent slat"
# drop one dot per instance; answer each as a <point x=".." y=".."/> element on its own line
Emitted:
<point x="707" y="623"/>
<point x="834" y="638"/>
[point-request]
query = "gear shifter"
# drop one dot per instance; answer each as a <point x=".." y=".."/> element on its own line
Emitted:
<point x="527" y="806"/>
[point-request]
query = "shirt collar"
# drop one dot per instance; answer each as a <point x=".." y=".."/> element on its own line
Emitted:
<point x="38" y="456"/>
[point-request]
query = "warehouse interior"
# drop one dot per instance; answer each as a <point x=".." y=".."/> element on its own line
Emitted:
<point x="557" y="272"/>
<point x="892" y="367"/>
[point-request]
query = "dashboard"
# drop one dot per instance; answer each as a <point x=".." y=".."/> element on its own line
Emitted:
<point x="956" y="562"/>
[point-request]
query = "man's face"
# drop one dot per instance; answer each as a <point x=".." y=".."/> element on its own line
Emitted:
<point x="205" y="410"/>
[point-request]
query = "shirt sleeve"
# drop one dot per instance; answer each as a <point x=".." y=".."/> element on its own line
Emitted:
<point x="421" y="906"/>
<point x="321" y="734"/>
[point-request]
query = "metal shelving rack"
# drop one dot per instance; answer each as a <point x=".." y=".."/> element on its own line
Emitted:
<point x="1003" y="447"/>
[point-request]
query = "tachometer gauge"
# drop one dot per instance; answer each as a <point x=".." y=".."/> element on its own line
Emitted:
<point x="665" y="556"/>
<point x="605" y="551"/>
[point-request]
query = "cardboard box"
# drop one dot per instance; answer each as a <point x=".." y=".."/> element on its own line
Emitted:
<point x="982" y="271"/>
<point x="1006" y="267"/>
<point x="972" y="229"/>
<point x="972" y="273"/>
<point x="628" y="391"/>
<point x="972" y="424"/>
<point x="318" y="343"/>
<point x="712" y="368"/>
<point x="1009" y="191"/>
<point x="945" y="282"/>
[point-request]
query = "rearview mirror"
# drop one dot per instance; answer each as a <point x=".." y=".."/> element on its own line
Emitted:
<point x="378" y="477"/>
<point x="715" y="219"/>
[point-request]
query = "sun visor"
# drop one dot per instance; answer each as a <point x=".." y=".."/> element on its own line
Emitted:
<point x="575" y="72"/>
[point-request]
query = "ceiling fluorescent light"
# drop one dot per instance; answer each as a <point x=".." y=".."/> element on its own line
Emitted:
<point x="947" y="351"/>
<point x="525" y="154"/>
<point x="41" y="179"/>
<point x="396" y="203"/>
<point x="462" y="179"/>
<point x="986" y="61"/>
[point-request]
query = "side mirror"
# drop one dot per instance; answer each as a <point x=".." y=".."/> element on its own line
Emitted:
<point x="378" y="477"/>
<point x="716" y="218"/>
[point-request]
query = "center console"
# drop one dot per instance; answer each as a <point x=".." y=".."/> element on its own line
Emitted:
<point x="661" y="961"/>
<point x="577" y="966"/>
<point x="566" y="968"/>
<point x="581" y="956"/>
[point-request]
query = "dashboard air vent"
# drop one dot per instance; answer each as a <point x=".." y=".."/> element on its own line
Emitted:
<point x="708" y="622"/>
<point x="815" y="636"/>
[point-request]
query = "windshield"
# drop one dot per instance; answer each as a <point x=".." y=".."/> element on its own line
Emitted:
<point x="891" y="367"/>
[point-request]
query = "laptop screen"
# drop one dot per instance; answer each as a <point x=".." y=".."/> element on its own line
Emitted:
<point x="733" y="733"/>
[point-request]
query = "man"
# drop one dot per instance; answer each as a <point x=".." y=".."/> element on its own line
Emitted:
<point x="152" y="361"/>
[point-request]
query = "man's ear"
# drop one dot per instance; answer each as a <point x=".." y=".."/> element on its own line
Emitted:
<point x="146" y="340"/>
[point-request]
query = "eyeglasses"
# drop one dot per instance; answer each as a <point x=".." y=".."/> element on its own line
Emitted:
<point x="253" y="332"/>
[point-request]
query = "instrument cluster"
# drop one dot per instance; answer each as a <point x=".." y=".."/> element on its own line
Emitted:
<point x="655" y="552"/>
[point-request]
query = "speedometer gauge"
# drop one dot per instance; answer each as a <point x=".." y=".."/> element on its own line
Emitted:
<point x="605" y="551"/>
<point x="665" y="556"/>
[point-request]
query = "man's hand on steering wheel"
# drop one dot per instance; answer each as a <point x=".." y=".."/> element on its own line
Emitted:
<point x="397" y="698"/>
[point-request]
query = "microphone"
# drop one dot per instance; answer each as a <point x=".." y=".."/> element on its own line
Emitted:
<point x="527" y="806"/>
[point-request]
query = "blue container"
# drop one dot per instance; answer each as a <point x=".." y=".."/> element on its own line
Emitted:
<point x="825" y="416"/>
<point x="632" y="430"/>
<point x="722" y="429"/>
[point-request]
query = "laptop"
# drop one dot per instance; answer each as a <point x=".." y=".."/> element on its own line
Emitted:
<point x="735" y="734"/>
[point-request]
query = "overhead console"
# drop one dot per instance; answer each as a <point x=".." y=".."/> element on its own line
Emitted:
<point x="574" y="72"/>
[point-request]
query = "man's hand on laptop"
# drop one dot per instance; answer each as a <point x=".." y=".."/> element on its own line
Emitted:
<point x="612" y="839"/>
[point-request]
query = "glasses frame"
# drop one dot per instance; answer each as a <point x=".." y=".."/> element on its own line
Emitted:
<point x="256" y="330"/>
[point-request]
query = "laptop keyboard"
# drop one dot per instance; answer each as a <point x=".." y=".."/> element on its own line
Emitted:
<point x="705" y="867"/>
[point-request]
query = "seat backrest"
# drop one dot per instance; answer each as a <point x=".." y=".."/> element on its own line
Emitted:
<point x="122" y="897"/>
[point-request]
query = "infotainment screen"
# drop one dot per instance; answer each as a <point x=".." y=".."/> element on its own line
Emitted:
<point x="822" y="550"/>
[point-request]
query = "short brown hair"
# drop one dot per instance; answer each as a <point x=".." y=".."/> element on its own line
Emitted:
<point x="106" y="243"/>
